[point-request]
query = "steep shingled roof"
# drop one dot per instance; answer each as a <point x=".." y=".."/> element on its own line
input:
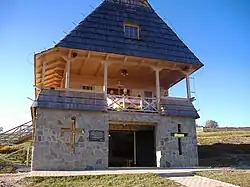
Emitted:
<point x="103" y="31"/>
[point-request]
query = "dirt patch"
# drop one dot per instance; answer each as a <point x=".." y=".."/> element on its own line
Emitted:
<point x="12" y="180"/>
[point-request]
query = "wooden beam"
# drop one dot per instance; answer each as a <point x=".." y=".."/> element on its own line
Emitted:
<point x="65" y="58"/>
<point x="107" y="57"/>
<point x="55" y="75"/>
<point x="76" y="58"/>
<point x="63" y="79"/>
<point x="140" y="63"/>
<point x="53" y="84"/>
<point x="43" y="71"/>
<point x="174" y="66"/>
<point x="125" y="59"/>
<point x="112" y="82"/>
<point x="98" y="69"/>
<point x="50" y="65"/>
<point x="50" y="70"/>
<point x="52" y="81"/>
<point x="84" y="62"/>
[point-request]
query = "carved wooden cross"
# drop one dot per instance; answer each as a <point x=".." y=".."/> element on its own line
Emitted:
<point x="74" y="132"/>
<point x="179" y="135"/>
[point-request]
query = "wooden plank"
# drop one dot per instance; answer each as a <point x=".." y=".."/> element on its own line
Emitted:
<point x="51" y="71"/>
<point x="50" y="66"/>
<point x="98" y="69"/>
<point x="43" y="72"/>
<point x="84" y="63"/>
<point x="52" y="75"/>
<point x="63" y="79"/>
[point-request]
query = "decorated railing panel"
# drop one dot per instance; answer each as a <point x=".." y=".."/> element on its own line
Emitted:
<point x="129" y="103"/>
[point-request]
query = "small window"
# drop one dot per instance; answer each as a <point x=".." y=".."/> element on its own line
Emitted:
<point x="148" y="94"/>
<point x="87" y="87"/>
<point x="131" y="31"/>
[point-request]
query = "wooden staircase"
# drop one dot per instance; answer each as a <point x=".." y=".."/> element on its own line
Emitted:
<point x="17" y="134"/>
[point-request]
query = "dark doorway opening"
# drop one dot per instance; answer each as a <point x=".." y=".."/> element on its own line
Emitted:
<point x="132" y="148"/>
<point x="145" y="149"/>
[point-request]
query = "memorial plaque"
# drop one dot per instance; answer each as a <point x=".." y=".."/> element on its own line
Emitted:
<point x="96" y="136"/>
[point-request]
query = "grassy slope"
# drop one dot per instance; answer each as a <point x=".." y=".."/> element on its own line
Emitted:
<point x="13" y="160"/>
<point x="233" y="137"/>
<point x="142" y="180"/>
<point x="224" y="148"/>
<point x="241" y="178"/>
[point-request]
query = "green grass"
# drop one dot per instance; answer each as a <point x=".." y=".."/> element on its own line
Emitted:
<point x="236" y="177"/>
<point x="140" y="180"/>
<point x="10" y="163"/>
<point x="7" y="167"/>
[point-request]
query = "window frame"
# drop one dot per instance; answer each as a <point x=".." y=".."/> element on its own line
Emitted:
<point x="87" y="87"/>
<point x="131" y="25"/>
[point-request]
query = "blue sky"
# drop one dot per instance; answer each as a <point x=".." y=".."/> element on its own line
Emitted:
<point x="218" y="32"/>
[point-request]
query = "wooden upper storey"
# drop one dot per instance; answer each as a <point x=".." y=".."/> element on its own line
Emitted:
<point x="102" y="36"/>
<point x="86" y="68"/>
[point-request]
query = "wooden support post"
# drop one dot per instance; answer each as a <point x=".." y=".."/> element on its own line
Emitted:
<point x="67" y="74"/>
<point x="105" y="83"/>
<point x="43" y="72"/>
<point x="158" y="93"/>
<point x="188" y="86"/>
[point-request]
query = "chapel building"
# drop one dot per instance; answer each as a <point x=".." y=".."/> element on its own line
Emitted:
<point x="102" y="94"/>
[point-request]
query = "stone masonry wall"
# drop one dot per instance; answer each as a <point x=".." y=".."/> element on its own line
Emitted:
<point x="52" y="149"/>
<point x="167" y="151"/>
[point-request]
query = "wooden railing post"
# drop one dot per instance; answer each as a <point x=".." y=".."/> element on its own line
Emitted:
<point x="123" y="102"/>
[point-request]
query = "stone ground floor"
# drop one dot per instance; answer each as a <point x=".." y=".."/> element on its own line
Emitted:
<point x="80" y="140"/>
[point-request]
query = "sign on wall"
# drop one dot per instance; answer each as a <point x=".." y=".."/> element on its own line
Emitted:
<point x="96" y="136"/>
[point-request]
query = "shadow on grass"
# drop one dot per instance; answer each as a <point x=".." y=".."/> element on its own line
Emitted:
<point x="224" y="155"/>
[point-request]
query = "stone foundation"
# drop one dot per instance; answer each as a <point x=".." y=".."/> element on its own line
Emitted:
<point x="52" y="149"/>
<point x="167" y="148"/>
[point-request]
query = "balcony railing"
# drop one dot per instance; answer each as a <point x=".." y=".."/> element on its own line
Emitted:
<point x="92" y="101"/>
<point x="133" y="104"/>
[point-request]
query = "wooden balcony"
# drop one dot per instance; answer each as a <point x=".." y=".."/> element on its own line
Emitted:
<point x="92" y="101"/>
<point x="131" y="104"/>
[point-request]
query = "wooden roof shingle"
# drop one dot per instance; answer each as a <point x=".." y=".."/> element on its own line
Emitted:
<point x="103" y="31"/>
